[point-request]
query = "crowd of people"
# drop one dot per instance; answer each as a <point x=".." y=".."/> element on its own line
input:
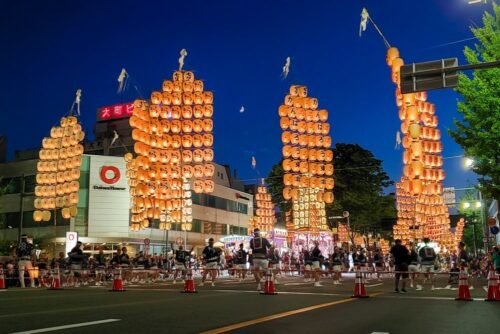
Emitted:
<point x="418" y="265"/>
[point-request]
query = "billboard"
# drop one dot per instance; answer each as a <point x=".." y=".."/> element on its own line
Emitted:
<point x="115" y="111"/>
<point x="109" y="197"/>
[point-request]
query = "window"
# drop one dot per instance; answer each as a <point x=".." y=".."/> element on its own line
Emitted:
<point x="29" y="183"/>
<point x="9" y="220"/>
<point x="196" y="226"/>
<point x="196" y="198"/>
<point x="84" y="180"/>
<point x="219" y="203"/>
<point x="11" y="185"/>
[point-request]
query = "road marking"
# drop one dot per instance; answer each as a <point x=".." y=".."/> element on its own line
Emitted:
<point x="306" y="283"/>
<point x="285" y="292"/>
<point x="485" y="288"/>
<point x="372" y="285"/>
<point x="380" y="333"/>
<point x="274" y="317"/>
<point x="427" y="298"/>
<point x="57" y="328"/>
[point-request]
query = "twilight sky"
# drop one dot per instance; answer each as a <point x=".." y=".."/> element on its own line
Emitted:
<point x="51" y="48"/>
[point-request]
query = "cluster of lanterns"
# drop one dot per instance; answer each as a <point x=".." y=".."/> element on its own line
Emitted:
<point x="264" y="215"/>
<point x="173" y="134"/>
<point x="307" y="159"/>
<point x="420" y="204"/>
<point x="58" y="171"/>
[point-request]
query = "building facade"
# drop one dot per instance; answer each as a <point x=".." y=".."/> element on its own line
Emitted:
<point x="104" y="210"/>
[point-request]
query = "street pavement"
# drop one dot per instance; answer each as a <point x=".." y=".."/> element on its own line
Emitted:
<point x="236" y="307"/>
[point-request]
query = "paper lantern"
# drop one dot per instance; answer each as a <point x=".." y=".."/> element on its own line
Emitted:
<point x="37" y="215"/>
<point x="414" y="130"/>
<point x="209" y="186"/>
<point x="328" y="197"/>
<point x="392" y="53"/>
<point x="198" y="85"/>
<point x="46" y="216"/>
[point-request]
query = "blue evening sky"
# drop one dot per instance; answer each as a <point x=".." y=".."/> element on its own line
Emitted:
<point x="51" y="48"/>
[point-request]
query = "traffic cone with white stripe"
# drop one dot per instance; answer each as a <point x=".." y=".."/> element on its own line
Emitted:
<point x="117" y="282"/>
<point x="55" y="283"/>
<point x="463" y="286"/>
<point x="3" y="284"/>
<point x="269" y="288"/>
<point x="493" y="290"/>
<point x="189" y="283"/>
<point x="359" y="286"/>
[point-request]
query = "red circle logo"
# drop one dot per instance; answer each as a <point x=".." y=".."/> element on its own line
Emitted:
<point x="106" y="170"/>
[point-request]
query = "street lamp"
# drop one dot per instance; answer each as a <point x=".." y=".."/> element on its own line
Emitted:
<point x="473" y="206"/>
<point x="468" y="162"/>
<point x="166" y="226"/>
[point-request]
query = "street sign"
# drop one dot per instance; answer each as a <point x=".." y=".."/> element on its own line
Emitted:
<point x="494" y="230"/>
<point x="449" y="196"/>
<point x="492" y="221"/>
<point x="71" y="239"/>
<point x="429" y="75"/>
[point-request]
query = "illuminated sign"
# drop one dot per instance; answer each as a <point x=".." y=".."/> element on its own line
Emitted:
<point x="109" y="174"/>
<point x="71" y="239"/>
<point x="116" y="111"/>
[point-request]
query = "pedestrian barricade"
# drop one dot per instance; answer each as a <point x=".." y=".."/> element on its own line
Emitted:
<point x="359" y="286"/>
<point x="493" y="293"/>
<point x="463" y="286"/>
<point x="117" y="281"/>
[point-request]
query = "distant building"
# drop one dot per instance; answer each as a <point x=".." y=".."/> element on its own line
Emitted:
<point x="103" y="215"/>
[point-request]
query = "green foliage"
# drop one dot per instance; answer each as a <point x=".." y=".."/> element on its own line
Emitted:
<point x="472" y="216"/>
<point x="359" y="184"/>
<point x="479" y="131"/>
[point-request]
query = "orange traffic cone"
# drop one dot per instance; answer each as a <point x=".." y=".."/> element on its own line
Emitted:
<point x="463" y="286"/>
<point x="55" y="284"/>
<point x="189" y="283"/>
<point x="359" y="286"/>
<point x="269" y="288"/>
<point x="493" y="290"/>
<point x="3" y="284"/>
<point x="117" y="282"/>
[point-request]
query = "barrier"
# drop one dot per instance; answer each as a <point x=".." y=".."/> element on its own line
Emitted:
<point x="359" y="286"/>
<point x="463" y="286"/>
<point x="55" y="283"/>
<point x="493" y="294"/>
<point x="117" y="282"/>
<point x="3" y="283"/>
<point x="189" y="283"/>
<point x="269" y="288"/>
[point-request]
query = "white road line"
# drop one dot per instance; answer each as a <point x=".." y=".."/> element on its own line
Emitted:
<point x="372" y="285"/>
<point x="426" y="298"/>
<point x="57" y="328"/>
<point x="380" y="333"/>
<point x="285" y="292"/>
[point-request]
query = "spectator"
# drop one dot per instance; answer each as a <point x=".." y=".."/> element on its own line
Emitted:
<point x="400" y="255"/>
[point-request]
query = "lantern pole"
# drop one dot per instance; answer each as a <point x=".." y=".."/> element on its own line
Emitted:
<point x="21" y="206"/>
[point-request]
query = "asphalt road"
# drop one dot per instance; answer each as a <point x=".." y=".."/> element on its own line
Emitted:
<point x="237" y="307"/>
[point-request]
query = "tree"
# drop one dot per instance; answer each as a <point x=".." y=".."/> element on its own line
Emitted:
<point x="479" y="131"/>
<point x="275" y="183"/>
<point x="359" y="185"/>
<point x="473" y="224"/>
<point x="359" y="188"/>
